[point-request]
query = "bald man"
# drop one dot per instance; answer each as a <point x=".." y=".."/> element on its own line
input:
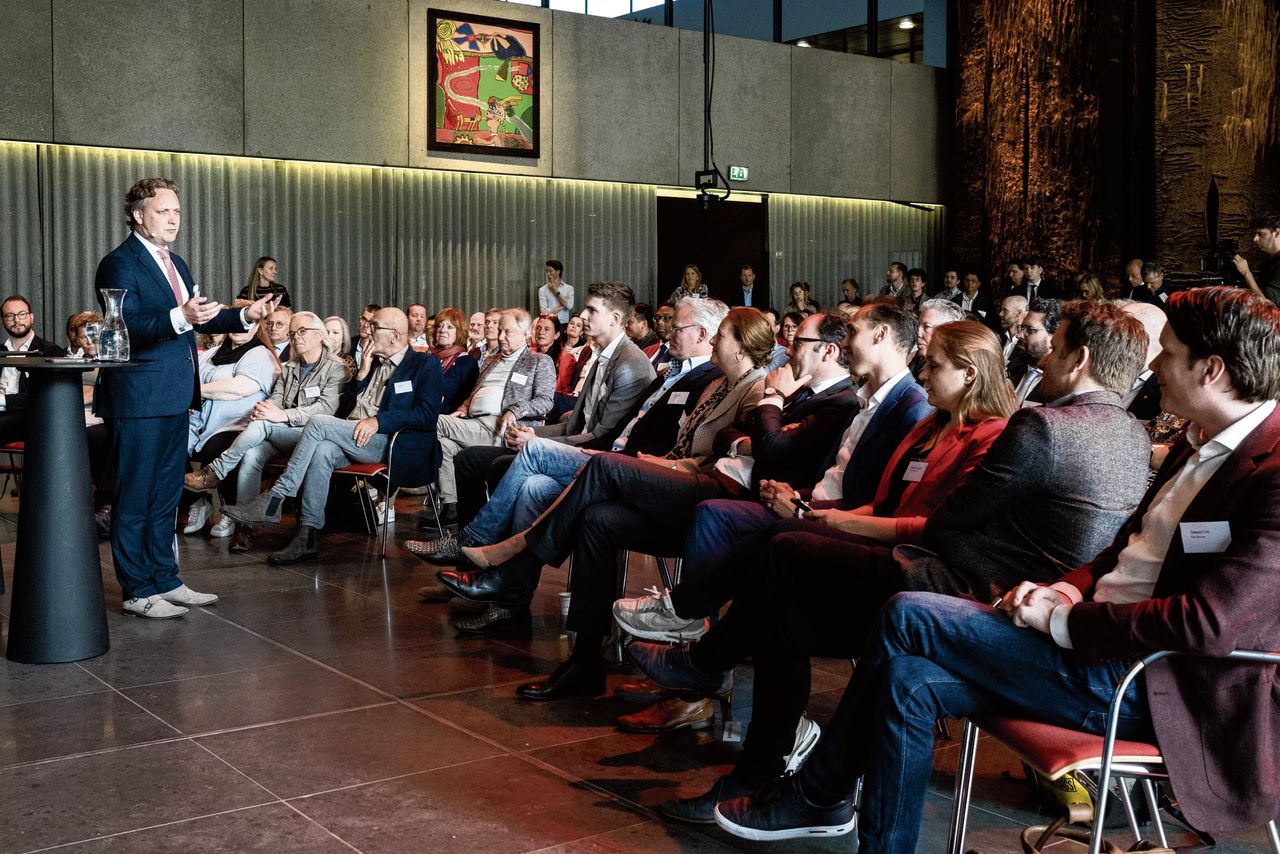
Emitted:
<point x="1012" y="311"/>
<point x="1143" y="399"/>
<point x="398" y="389"/>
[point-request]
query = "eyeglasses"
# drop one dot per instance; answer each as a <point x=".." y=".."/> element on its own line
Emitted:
<point x="16" y="315"/>
<point x="1029" y="330"/>
<point x="374" y="326"/>
<point x="676" y="329"/>
<point x="800" y="339"/>
<point x="298" y="333"/>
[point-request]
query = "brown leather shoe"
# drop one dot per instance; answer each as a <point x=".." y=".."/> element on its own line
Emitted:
<point x="669" y="716"/>
<point x="201" y="480"/>
<point x="644" y="691"/>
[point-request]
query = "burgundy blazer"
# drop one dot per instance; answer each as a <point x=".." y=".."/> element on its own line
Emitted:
<point x="1217" y="722"/>
<point x="949" y="462"/>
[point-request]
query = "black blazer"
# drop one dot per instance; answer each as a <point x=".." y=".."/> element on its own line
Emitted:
<point x="18" y="400"/>
<point x="655" y="432"/>
<point x="985" y="308"/>
<point x="791" y="444"/>
<point x="1146" y="405"/>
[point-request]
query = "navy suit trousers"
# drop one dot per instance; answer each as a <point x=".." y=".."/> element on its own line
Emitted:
<point x="150" y="455"/>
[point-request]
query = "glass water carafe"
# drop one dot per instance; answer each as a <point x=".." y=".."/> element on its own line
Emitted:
<point x="113" y="343"/>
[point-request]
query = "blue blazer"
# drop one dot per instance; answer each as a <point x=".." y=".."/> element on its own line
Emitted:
<point x="166" y="384"/>
<point x="901" y="410"/>
<point x="415" y="457"/>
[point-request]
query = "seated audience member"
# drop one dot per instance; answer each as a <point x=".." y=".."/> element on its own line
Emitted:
<point x="489" y="346"/>
<point x="338" y="337"/>
<point x="914" y="295"/>
<point x="932" y="313"/>
<point x="895" y="280"/>
<point x="82" y="347"/>
<point x="800" y="302"/>
<point x="640" y="328"/>
<point x="460" y="370"/>
<point x="276" y="327"/>
<point x="19" y="323"/>
<point x="262" y="282"/>
<point x="647" y="503"/>
<point x="398" y="389"/>
<point x="1143" y="398"/>
<point x="233" y="377"/>
<point x="475" y="335"/>
<point x="1034" y="285"/>
<point x="1265" y="236"/>
<point x="964" y="376"/>
<point x="846" y="309"/>
<point x="97" y="432"/>
<point x="514" y="388"/>
<point x="1132" y="287"/>
<point x="659" y="354"/>
<point x="310" y="384"/>
<point x="545" y="466"/>
<point x="1153" y="278"/>
<point x="573" y="339"/>
<point x="780" y="349"/>
<point x="1012" y="311"/>
<point x="544" y="337"/>
<point x="691" y="285"/>
<point x="1035" y="341"/>
<point x="972" y="300"/>
<point x="418" y="338"/>
<point x="950" y="286"/>
<point x="364" y="331"/>
<point x="1089" y="286"/>
<point x="851" y="291"/>
<point x="787" y="331"/>
<point x="1192" y="570"/>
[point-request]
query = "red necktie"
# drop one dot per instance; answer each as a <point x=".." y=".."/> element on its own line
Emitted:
<point x="173" y="276"/>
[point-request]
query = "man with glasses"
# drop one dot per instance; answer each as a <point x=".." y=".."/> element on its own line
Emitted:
<point x="310" y="384"/>
<point x="277" y="324"/>
<point x="398" y="388"/>
<point x="1035" y="341"/>
<point x="364" y="330"/>
<point x="19" y="322"/>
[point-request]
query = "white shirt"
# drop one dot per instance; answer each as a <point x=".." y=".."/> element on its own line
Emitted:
<point x="1138" y="565"/>
<point x="176" y="318"/>
<point x="597" y="371"/>
<point x="832" y="486"/>
<point x="1030" y="380"/>
<point x="548" y="304"/>
<point x="10" y="377"/>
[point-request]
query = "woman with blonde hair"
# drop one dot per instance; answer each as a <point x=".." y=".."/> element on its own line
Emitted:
<point x="1089" y="286"/>
<point x="691" y="285"/>
<point x="262" y="281"/>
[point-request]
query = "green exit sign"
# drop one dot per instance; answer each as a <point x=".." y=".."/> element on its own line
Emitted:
<point x="738" y="173"/>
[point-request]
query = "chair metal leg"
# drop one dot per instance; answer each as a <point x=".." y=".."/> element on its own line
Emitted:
<point x="386" y="526"/>
<point x="1153" y="807"/>
<point x="1127" y="802"/>
<point x="667" y="581"/>
<point x="963" y="789"/>
<point x="1274" y="835"/>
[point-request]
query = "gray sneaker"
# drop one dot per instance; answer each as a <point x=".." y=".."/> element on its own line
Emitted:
<point x="653" y="618"/>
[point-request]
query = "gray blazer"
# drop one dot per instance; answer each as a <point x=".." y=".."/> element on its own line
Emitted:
<point x="626" y="376"/>
<point x="325" y="383"/>
<point x="1048" y="496"/>
<point x="531" y="400"/>
<point x="736" y="404"/>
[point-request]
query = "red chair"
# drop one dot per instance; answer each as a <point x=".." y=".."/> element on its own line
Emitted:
<point x="379" y="475"/>
<point x="1055" y="751"/>
<point x="12" y="468"/>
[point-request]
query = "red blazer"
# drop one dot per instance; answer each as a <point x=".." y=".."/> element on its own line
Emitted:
<point x="565" y="370"/>
<point x="949" y="462"/>
<point x="1217" y="723"/>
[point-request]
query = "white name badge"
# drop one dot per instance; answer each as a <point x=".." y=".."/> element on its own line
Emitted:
<point x="678" y="398"/>
<point x="519" y="379"/>
<point x="981" y="313"/>
<point x="403" y="386"/>
<point x="915" y="471"/>
<point x="311" y="391"/>
<point x="1199" y="538"/>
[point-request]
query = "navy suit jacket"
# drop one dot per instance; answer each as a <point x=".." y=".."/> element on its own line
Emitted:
<point x="160" y="379"/>
<point x="656" y="432"/>
<point x="415" y="457"/>
<point x="902" y="408"/>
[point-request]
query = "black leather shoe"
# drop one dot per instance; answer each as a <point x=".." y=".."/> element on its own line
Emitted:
<point x="482" y="586"/>
<point x="492" y="619"/>
<point x="570" y="679"/>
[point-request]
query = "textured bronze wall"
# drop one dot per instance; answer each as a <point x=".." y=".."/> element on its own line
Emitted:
<point x="1216" y="71"/>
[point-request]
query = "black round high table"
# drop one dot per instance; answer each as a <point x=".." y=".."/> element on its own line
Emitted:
<point x="57" y="612"/>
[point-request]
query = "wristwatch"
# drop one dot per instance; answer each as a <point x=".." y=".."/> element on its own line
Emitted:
<point x="770" y="391"/>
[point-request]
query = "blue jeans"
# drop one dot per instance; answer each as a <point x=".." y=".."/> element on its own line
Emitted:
<point x="259" y="443"/>
<point x="935" y="656"/>
<point x="540" y="472"/>
<point x="327" y="443"/>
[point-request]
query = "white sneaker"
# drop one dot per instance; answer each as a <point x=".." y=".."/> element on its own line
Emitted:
<point x="184" y="595"/>
<point x="807" y="735"/>
<point x="654" y="618"/>
<point x="224" y="527"/>
<point x="198" y="516"/>
<point x="153" y="608"/>
<point x="384" y="511"/>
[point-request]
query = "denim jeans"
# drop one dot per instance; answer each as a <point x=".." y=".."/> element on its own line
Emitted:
<point x="327" y="443"/>
<point x="935" y="656"/>
<point x="541" y="471"/>
<point x="258" y="444"/>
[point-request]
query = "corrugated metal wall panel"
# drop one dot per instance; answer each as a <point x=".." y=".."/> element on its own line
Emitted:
<point x="348" y="235"/>
<point x="823" y="240"/>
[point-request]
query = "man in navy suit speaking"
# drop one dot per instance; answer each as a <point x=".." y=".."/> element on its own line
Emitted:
<point x="146" y="401"/>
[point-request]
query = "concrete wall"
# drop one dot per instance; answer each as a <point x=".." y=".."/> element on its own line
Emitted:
<point x="332" y="80"/>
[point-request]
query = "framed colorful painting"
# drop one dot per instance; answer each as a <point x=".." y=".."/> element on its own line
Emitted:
<point x="482" y="84"/>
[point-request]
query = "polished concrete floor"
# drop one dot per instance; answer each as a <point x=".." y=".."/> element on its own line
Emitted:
<point x="323" y="708"/>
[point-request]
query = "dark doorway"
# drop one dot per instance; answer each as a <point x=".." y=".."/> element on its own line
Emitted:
<point x="718" y="239"/>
